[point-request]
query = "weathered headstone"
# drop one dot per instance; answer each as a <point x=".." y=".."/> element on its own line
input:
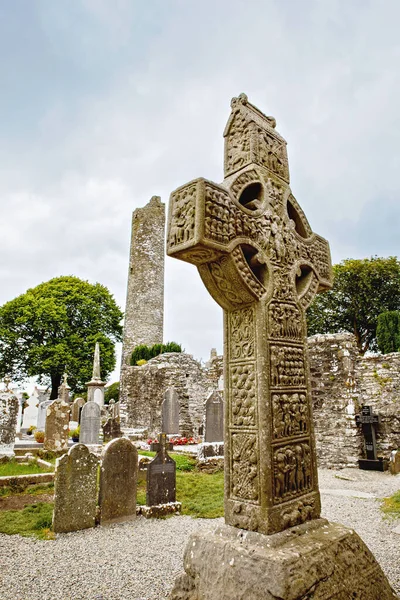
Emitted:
<point x="170" y="412"/>
<point x="30" y="414"/>
<point x="75" y="490"/>
<point x="161" y="476"/>
<point x="56" y="432"/>
<point x="90" y="423"/>
<point x="114" y="410"/>
<point x="8" y="421"/>
<point x="111" y="429"/>
<point x="214" y="418"/>
<point x="64" y="390"/>
<point x="161" y="483"/>
<point x="261" y="262"/>
<point x="42" y="413"/>
<point x="76" y="409"/>
<point x="368" y="423"/>
<point x="118" y="481"/>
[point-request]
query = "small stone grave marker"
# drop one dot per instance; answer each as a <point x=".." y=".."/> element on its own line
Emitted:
<point x="42" y="414"/>
<point x="161" y="483"/>
<point x="30" y="414"/>
<point x="76" y="410"/>
<point x="90" y="423"/>
<point x="368" y="423"/>
<point x="214" y="418"/>
<point x="56" y="433"/>
<point x="170" y="411"/>
<point x="111" y="429"/>
<point x="118" y="481"/>
<point x="75" y="490"/>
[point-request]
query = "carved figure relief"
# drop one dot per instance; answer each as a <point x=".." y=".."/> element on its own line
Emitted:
<point x="298" y="514"/>
<point x="238" y="153"/>
<point x="287" y="366"/>
<point x="242" y="334"/>
<point x="272" y="153"/>
<point x="290" y="415"/>
<point x="243" y="393"/>
<point x="244" y="475"/>
<point x="183" y="215"/>
<point x="292" y="471"/>
<point x="285" y="321"/>
<point x="218" y="221"/>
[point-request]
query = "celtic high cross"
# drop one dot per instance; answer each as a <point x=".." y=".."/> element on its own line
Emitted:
<point x="260" y="261"/>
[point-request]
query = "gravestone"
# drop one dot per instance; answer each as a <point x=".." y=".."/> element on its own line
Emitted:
<point x="161" y="476"/>
<point x="170" y="412"/>
<point x="368" y="423"/>
<point x="76" y="409"/>
<point x="261" y="262"/>
<point x="114" y="409"/>
<point x="56" y="432"/>
<point x="8" y="421"/>
<point x="118" y="481"/>
<point x="90" y="424"/>
<point x="30" y="414"/>
<point x="64" y="390"/>
<point x="214" y="418"/>
<point x="161" y="483"/>
<point x="42" y="413"/>
<point x="111" y="429"/>
<point x="75" y="490"/>
<point x="95" y="386"/>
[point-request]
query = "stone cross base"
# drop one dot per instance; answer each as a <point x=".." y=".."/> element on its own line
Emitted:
<point x="317" y="560"/>
<point x="159" y="510"/>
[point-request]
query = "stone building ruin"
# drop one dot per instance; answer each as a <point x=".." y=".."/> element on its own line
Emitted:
<point x="341" y="381"/>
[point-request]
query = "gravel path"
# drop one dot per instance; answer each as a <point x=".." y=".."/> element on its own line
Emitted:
<point x="140" y="560"/>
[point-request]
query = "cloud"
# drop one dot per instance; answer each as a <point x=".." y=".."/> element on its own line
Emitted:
<point x="109" y="104"/>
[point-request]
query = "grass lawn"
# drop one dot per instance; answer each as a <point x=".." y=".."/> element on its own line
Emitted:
<point x="391" y="505"/>
<point x="33" y="520"/>
<point x="201" y="494"/>
<point x="12" y="468"/>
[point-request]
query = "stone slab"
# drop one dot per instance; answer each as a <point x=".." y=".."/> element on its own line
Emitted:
<point x="90" y="423"/>
<point x="214" y="418"/>
<point x="170" y="412"/>
<point x="118" y="481"/>
<point x="317" y="560"/>
<point x="9" y="406"/>
<point x="160" y="510"/>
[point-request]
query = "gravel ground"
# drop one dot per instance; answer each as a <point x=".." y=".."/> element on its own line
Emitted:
<point x="140" y="560"/>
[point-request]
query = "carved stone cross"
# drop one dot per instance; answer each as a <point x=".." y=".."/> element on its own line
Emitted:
<point x="261" y="262"/>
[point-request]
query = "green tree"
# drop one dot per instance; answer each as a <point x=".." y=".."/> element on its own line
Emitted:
<point x="111" y="392"/>
<point x="362" y="289"/>
<point x="53" y="328"/>
<point x="143" y="352"/>
<point x="388" y="331"/>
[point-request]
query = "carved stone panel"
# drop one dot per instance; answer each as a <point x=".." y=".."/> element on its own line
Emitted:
<point x="244" y="467"/>
<point x="242" y="334"/>
<point x="290" y="415"/>
<point x="243" y="395"/>
<point x="292" y="471"/>
<point x="287" y="366"/>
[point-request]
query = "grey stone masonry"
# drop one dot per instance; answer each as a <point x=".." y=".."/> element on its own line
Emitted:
<point x="8" y="422"/>
<point x="342" y="381"/>
<point x="144" y="311"/>
<point x="146" y="385"/>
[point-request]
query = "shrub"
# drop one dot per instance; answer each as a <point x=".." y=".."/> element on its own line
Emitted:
<point x="143" y="352"/>
<point x="30" y="430"/>
<point x="39" y="436"/>
<point x="74" y="433"/>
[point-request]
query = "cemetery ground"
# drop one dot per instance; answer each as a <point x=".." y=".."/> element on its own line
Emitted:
<point x="140" y="559"/>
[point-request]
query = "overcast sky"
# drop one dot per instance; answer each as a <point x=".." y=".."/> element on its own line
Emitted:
<point x="105" y="103"/>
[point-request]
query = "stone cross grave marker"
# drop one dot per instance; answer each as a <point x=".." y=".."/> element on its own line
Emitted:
<point x="76" y="409"/>
<point x="90" y="423"/>
<point x="56" y="431"/>
<point x="30" y="413"/>
<point x="260" y="260"/>
<point x="368" y="423"/>
<point x="118" y="481"/>
<point x="75" y="490"/>
<point x="161" y="476"/>
<point x="42" y="414"/>
<point x="9" y="410"/>
<point x="170" y="412"/>
<point x="214" y="418"/>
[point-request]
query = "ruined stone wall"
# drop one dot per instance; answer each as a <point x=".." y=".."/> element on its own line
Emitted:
<point x="146" y="385"/>
<point x="342" y="381"/>
<point x="144" y="311"/>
